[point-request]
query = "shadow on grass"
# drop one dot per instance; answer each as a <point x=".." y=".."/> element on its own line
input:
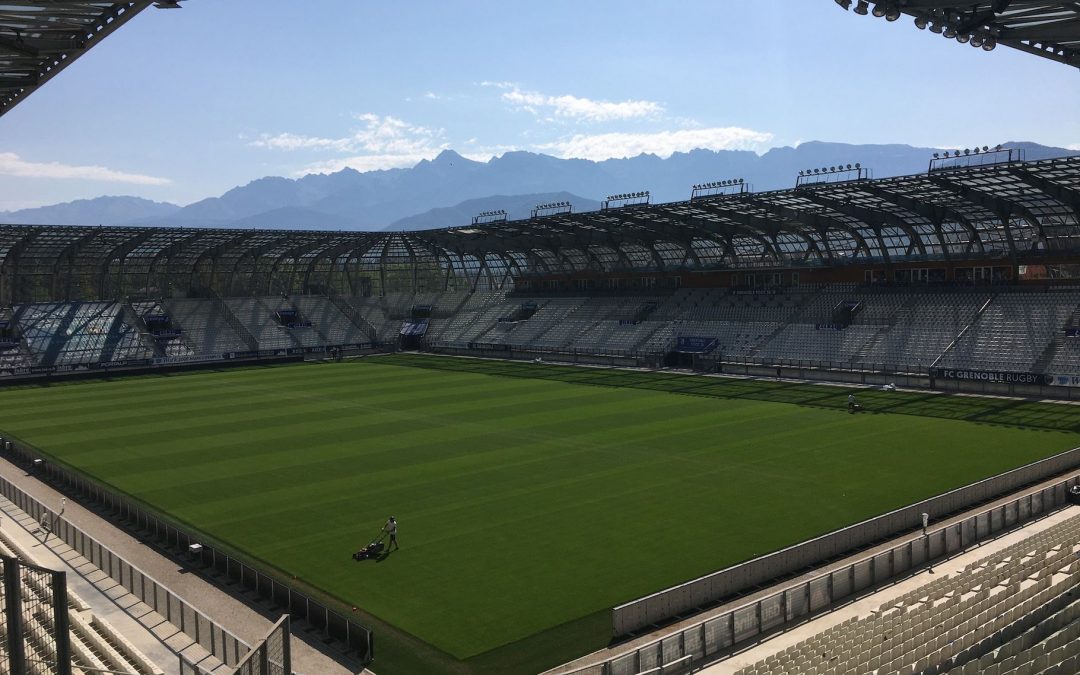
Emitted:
<point x="984" y="410"/>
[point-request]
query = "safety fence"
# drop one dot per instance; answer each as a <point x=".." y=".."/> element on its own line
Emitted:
<point x="217" y="641"/>
<point x="713" y="636"/>
<point x="715" y="587"/>
<point x="270" y="656"/>
<point x="213" y="556"/>
<point x="33" y="619"/>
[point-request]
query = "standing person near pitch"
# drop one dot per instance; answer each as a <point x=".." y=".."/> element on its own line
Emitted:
<point x="390" y="528"/>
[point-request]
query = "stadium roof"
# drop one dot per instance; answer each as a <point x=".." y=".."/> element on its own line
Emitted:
<point x="1006" y="212"/>
<point x="1047" y="29"/>
<point x="39" y="39"/>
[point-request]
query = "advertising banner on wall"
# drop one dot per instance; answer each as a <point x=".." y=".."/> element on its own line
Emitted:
<point x="994" y="376"/>
<point x="695" y="345"/>
<point x="187" y="358"/>
<point x="1064" y="380"/>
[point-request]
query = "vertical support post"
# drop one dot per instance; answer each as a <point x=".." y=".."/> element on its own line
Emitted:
<point x="60" y="622"/>
<point x="286" y="647"/>
<point x="13" y="611"/>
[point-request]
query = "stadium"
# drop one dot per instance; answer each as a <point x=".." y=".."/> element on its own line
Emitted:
<point x="823" y="429"/>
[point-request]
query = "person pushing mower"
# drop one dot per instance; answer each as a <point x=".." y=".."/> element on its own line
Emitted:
<point x="853" y="405"/>
<point x="390" y="528"/>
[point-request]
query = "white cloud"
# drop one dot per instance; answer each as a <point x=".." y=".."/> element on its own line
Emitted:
<point x="432" y="96"/>
<point x="570" y="107"/>
<point x="383" y="142"/>
<point x="1074" y="146"/>
<point x="13" y="165"/>
<point x="599" y="147"/>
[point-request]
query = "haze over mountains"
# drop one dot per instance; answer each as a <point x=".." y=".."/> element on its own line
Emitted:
<point x="450" y="189"/>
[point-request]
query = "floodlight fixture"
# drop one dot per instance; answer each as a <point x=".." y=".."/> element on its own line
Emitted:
<point x="962" y="38"/>
<point x="949" y="32"/>
<point x="989" y="45"/>
<point x="893" y="14"/>
<point x="977" y="40"/>
<point x="862" y="8"/>
<point x="936" y="27"/>
<point x="879" y="9"/>
<point x="846" y="4"/>
<point x="920" y="22"/>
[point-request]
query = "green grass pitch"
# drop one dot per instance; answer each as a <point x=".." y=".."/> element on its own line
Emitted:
<point x="531" y="498"/>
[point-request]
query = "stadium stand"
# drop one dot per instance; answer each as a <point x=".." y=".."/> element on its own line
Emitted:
<point x="906" y="275"/>
<point x="96" y="645"/>
<point x="168" y="338"/>
<point x="79" y="333"/>
<point x="205" y="328"/>
<point x="1015" y="611"/>
<point x="1013" y="331"/>
<point x="257" y="318"/>
<point x="329" y="320"/>
<point x="1006" y="328"/>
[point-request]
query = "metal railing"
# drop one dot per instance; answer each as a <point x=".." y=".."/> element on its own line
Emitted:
<point x="262" y="579"/>
<point x="714" y="587"/>
<point x="270" y="656"/>
<point x="34" y="619"/>
<point x="712" y="637"/>
<point x="219" y="642"/>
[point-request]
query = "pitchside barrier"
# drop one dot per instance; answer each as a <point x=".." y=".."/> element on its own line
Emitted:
<point x="710" y="589"/>
<point x="1065" y="387"/>
<point x="710" y="637"/>
<point x="265" y="582"/>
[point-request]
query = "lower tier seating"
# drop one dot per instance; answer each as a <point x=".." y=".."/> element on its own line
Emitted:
<point x="1015" y="611"/>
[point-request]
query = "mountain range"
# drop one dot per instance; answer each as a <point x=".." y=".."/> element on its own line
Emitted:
<point x="450" y="189"/>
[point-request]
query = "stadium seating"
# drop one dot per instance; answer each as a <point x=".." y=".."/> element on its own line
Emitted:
<point x="328" y="320"/>
<point x="13" y="351"/>
<point x="79" y="333"/>
<point x="304" y="333"/>
<point x="907" y="329"/>
<point x="258" y="319"/>
<point x="1013" y="331"/>
<point x="477" y="315"/>
<point x="95" y="645"/>
<point x="811" y="342"/>
<point x="170" y="345"/>
<point x="205" y="328"/>
<point x="1014" y="611"/>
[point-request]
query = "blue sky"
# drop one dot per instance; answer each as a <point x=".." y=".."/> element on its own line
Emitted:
<point x="184" y="104"/>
